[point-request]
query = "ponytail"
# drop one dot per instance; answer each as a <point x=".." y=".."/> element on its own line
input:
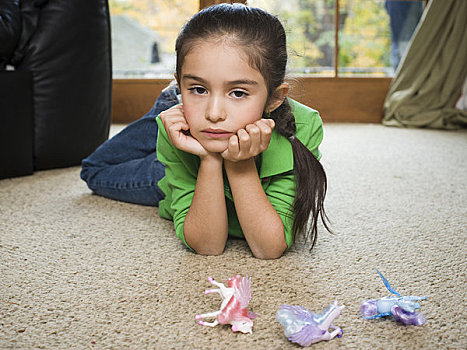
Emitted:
<point x="310" y="178"/>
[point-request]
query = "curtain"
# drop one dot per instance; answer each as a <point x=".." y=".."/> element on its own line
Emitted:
<point x="429" y="79"/>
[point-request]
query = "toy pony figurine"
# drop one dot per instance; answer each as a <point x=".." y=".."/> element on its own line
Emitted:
<point x="401" y="308"/>
<point x="303" y="327"/>
<point x="234" y="307"/>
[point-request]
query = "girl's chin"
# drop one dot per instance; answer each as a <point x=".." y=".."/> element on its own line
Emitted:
<point x="216" y="146"/>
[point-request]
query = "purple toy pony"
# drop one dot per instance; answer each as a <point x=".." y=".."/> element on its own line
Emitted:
<point x="303" y="327"/>
<point x="401" y="308"/>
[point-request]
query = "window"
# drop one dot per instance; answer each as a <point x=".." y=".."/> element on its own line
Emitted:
<point x="364" y="38"/>
<point x="368" y="41"/>
<point x="310" y="33"/>
<point x="359" y="43"/>
<point x="144" y="33"/>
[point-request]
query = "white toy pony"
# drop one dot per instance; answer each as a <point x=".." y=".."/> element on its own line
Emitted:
<point x="303" y="327"/>
<point x="234" y="307"/>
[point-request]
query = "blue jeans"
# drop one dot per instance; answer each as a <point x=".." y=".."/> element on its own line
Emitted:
<point x="126" y="167"/>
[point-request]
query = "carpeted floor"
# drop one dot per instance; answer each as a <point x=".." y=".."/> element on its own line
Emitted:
<point x="83" y="272"/>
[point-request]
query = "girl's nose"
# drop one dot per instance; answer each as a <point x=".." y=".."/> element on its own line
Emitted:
<point x="215" y="111"/>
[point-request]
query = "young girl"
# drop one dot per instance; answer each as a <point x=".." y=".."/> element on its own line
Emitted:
<point x="236" y="157"/>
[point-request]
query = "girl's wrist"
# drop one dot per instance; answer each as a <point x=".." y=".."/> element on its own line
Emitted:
<point x="210" y="157"/>
<point x="240" y="166"/>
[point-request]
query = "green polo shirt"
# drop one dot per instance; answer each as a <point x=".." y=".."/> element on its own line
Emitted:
<point x="276" y="174"/>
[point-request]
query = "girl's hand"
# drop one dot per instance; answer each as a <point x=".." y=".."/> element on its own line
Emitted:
<point x="178" y="131"/>
<point x="249" y="142"/>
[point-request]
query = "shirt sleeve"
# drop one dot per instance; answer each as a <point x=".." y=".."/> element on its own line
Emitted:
<point x="281" y="193"/>
<point x="178" y="183"/>
<point x="309" y="128"/>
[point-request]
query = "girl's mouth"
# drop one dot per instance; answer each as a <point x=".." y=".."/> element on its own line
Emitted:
<point x="216" y="133"/>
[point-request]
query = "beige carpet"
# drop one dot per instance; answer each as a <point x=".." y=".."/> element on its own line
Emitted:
<point x="83" y="272"/>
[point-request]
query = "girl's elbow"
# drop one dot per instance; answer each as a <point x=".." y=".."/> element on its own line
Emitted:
<point x="270" y="248"/>
<point x="269" y="254"/>
<point x="209" y="251"/>
<point x="203" y="244"/>
<point x="204" y="248"/>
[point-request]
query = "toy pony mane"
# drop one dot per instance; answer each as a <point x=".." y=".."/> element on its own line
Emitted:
<point x="234" y="281"/>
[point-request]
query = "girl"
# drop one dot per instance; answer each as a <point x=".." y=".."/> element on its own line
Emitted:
<point x="237" y="156"/>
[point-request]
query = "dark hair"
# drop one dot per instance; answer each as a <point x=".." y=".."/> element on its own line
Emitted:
<point x="264" y="41"/>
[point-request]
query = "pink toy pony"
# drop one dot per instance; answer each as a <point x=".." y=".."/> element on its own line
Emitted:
<point x="234" y="307"/>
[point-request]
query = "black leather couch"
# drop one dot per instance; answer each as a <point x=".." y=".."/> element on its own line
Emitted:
<point x="55" y="83"/>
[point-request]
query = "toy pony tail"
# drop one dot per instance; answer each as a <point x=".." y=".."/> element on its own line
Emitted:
<point x="310" y="179"/>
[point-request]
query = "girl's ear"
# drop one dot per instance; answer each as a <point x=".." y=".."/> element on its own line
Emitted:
<point x="277" y="97"/>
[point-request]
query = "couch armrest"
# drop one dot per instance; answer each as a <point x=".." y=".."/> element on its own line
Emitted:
<point x="10" y="29"/>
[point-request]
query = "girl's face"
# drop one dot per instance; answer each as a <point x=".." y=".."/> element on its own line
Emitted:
<point x="221" y="93"/>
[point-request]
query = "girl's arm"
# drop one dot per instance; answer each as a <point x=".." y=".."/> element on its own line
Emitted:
<point x="206" y="224"/>
<point x="261" y="224"/>
<point x="205" y="228"/>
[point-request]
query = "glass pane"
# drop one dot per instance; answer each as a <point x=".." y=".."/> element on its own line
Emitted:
<point x="310" y="33"/>
<point x="371" y="42"/>
<point x="143" y="36"/>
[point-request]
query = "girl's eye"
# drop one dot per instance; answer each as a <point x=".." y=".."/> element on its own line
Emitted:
<point x="198" y="90"/>
<point x="239" y="93"/>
